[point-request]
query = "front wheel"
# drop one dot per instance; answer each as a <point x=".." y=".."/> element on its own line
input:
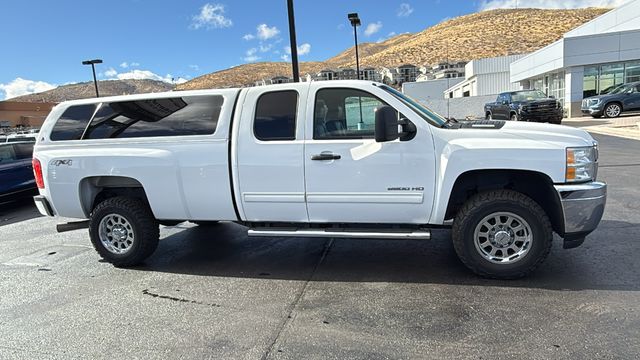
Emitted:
<point x="502" y="234"/>
<point x="612" y="110"/>
<point x="123" y="231"/>
<point x="514" y="117"/>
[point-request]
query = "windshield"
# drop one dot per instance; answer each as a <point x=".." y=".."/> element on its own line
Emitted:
<point x="430" y="116"/>
<point x="528" y="95"/>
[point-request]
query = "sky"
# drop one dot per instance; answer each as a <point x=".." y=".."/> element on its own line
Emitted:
<point x="44" y="41"/>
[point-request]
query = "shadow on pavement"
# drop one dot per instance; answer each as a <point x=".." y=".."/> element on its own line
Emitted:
<point x="18" y="210"/>
<point x="225" y="251"/>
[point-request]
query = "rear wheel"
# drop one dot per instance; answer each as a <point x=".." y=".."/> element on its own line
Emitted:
<point x="123" y="231"/>
<point x="502" y="234"/>
<point x="612" y="110"/>
<point x="488" y="116"/>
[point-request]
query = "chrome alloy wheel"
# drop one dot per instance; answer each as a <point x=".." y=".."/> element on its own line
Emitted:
<point x="116" y="233"/>
<point x="502" y="238"/>
<point x="613" y="110"/>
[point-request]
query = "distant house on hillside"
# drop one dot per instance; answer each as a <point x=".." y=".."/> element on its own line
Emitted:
<point x="407" y="73"/>
<point x="279" y="79"/>
<point x="445" y="70"/>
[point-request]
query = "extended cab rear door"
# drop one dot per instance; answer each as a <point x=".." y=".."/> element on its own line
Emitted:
<point x="352" y="179"/>
<point x="268" y="151"/>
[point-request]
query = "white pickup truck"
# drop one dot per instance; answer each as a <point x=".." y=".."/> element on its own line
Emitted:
<point x="351" y="159"/>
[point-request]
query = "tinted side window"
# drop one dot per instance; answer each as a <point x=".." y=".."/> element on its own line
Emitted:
<point x="72" y="123"/>
<point x="276" y="116"/>
<point x="24" y="151"/>
<point x="345" y="114"/>
<point x="196" y="115"/>
<point x="7" y="154"/>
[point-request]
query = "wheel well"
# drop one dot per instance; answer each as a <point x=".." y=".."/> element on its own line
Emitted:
<point x="535" y="185"/>
<point x="96" y="189"/>
<point x="512" y="113"/>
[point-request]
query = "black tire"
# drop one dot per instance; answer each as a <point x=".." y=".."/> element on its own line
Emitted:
<point x="488" y="116"/>
<point x="609" y="111"/>
<point x="144" y="227"/>
<point x="513" y="117"/>
<point x="487" y="203"/>
<point x="596" y="116"/>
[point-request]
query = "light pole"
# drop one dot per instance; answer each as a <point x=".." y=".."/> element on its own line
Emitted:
<point x="93" y="68"/>
<point x="292" y="40"/>
<point x="355" y="22"/>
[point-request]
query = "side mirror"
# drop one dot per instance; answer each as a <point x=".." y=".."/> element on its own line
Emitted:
<point x="386" y="124"/>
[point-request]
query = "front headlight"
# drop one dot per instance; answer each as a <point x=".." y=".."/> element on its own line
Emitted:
<point x="582" y="164"/>
<point x="522" y="108"/>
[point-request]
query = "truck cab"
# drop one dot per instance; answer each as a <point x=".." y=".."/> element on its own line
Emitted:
<point x="323" y="159"/>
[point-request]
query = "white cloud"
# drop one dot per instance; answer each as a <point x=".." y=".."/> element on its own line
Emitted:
<point x="137" y="74"/>
<point x="303" y="49"/>
<point x="340" y="26"/>
<point x="548" y="4"/>
<point x="194" y="67"/>
<point x="265" y="32"/>
<point x="285" y="57"/>
<point x="251" y="55"/>
<point x="248" y="37"/>
<point x="211" y="16"/>
<point x="20" y="86"/>
<point x="373" y="28"/>
<point x="124" y="65"/>
<point x="111" y="72"/>
<point x="265" y="48"/>
<point x="404" y="10"/>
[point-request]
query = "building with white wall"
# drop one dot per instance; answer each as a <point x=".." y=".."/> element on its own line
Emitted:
<point x="588" y="60"/>
<point x="487" y="76"/>
<point x="428" y="89"/>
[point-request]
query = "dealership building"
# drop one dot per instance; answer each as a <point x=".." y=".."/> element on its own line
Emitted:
<point x="586" y="61"/>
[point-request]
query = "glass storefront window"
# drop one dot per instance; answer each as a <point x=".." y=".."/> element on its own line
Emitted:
<point x="632" y="71"/>
<point x="611" y="76"/>
<point x="590" y="82"/>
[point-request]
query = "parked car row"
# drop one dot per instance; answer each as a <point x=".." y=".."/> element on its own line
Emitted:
<point x="16" y="172"/>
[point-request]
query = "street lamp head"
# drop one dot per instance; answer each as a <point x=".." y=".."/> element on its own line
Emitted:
<point x="354" y="19"/>
<point x="94" y="61"/>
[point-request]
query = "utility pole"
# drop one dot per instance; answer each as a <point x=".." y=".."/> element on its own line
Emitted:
<point x="292" y="40"/>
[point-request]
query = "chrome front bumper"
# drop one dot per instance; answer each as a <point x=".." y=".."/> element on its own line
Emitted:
<point x="582" y="208"/>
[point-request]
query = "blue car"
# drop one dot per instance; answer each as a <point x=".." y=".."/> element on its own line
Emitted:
<point x="622" y="98"/>
<point x="16" y="173"/>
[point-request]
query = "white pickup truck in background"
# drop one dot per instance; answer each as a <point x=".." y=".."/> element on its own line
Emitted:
<point x="323" y="159"/>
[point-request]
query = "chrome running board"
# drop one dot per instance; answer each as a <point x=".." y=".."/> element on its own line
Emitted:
<point x="342" y="233"/>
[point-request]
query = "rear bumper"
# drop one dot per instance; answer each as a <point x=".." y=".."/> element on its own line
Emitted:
<point x="582" y="208"/>
<point x="43" y="205"/>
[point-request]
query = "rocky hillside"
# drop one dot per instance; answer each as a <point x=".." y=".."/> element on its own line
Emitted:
<point x="479" y="35"/>
<point x="87" y="90"/>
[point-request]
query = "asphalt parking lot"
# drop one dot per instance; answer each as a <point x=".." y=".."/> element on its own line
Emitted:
<point x="211" y="292"/>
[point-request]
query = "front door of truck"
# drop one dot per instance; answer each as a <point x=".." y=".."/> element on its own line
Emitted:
<point x="269" y="154"/>
<point x="352" y="179"/>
